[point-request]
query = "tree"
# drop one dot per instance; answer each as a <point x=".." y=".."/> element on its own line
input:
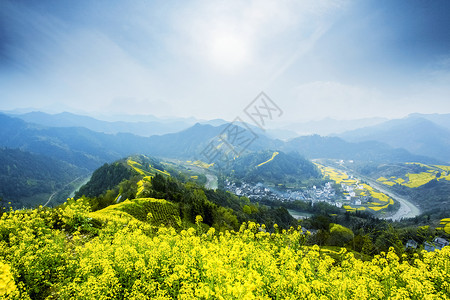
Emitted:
<point x="339" y="235"/>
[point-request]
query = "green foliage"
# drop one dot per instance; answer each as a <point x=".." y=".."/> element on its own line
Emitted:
<point x="39" y="259"/>
<point x="103" y="179"/>
<point x="339" y="235"/>
<point x="156" y="212"/>
<point x="24" y="175"/>
<point x="290" y="168"/>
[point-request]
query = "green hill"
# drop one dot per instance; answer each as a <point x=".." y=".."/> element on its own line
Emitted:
<point x="155" y="211"/>
<point x="272" y="167"/>
<point x="141" y="177"/>
<point x="28" y="180"/>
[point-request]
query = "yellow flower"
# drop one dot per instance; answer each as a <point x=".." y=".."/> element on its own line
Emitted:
<point x="198" y="219"/>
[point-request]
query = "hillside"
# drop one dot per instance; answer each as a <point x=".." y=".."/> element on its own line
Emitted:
<point x="272" y="168"/>
<point x="415" y="134"/>
<point x="140" y="177"/>
<point x="427" y="186"/>
<point x="143" y="229"/>
<point x="28" y="180"/>
<point x="75" y="145"/>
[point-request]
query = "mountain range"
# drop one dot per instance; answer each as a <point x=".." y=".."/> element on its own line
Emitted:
<point x="427" y="135"/>
<point x="416" y="138"/>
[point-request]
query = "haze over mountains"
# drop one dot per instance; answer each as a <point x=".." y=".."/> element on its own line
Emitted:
<point x="88" y="142"/>
<point x="427" y="135"/>
<point x="84" y="143"/>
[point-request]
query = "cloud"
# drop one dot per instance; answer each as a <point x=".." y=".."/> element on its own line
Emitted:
<point x="327" y="98"/>
<point x="209" y="59"/>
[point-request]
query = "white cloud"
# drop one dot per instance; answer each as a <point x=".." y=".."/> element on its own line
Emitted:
<point x="314" y="100"/>
<point x="209" y="59"/>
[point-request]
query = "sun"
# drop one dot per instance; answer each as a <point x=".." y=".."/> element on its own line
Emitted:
<point x="228" y="51"/>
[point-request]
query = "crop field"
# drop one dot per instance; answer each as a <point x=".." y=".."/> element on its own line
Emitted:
<point x="145" y="170"/>
<point x="444" y="225"/>
<point x="201" y="164"/>
<point x="269" y="160"/>
<point x="136" y="260"/>
<point x="379" y="201"/>
<point x="413" y="180"/>
<point x="155" y="211"/>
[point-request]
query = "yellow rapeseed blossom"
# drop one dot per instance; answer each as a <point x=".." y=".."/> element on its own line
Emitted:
<point x="7" y="284"/>
<point x="135" y="260"/>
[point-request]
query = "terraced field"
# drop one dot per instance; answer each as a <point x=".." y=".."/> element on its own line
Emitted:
<point x="155" y="211"/>
<point x="379" y="201"/>
<point x="145" y="169"/>
<point x="269" y="160"/>
<point x="413" y="180"/>
<point x="444" y="225"/>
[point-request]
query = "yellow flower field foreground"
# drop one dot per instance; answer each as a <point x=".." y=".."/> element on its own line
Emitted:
<point x="41" y="257"/>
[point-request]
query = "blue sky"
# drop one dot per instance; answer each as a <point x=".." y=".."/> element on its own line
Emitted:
<point x="209" y="59"/>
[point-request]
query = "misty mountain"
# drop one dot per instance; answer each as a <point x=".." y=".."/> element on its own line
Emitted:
<point x="137" y="127"/>
<point x="89" y="149"/>
<point x="76" y="145"/>
<point x="442" y="120"/>
<point x="142" y="125"/>
<point x="415" y="134"/>
<point x="330" y="126"/>
<point x="316" y="146"/>
<point x="190" y="143"/>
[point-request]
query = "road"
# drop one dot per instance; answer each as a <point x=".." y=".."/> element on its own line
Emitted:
<point x="406" y="210"/>
<point x="50" y="198"/>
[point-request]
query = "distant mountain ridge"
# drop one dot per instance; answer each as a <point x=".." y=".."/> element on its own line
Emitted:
<point x="141" y="128"/>
<point x="330" y="126"/>
<point x="316" y="146"/>
<point x="417" y="134"/>
<point x="89" y="149"/>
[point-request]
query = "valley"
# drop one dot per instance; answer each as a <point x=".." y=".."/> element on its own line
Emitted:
<point x="224" y="150"/>
<point x="406" y="208"/>
<point x="362" y="198"/>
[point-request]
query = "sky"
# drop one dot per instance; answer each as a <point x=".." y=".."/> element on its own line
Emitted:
<point x="210" y="59"/>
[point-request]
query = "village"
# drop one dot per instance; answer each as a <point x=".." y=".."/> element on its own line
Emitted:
<point x="259" y="191"/>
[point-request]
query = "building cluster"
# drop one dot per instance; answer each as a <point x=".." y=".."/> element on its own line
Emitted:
<point x="258" y="192"/>
<point x="437" y="244"/>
